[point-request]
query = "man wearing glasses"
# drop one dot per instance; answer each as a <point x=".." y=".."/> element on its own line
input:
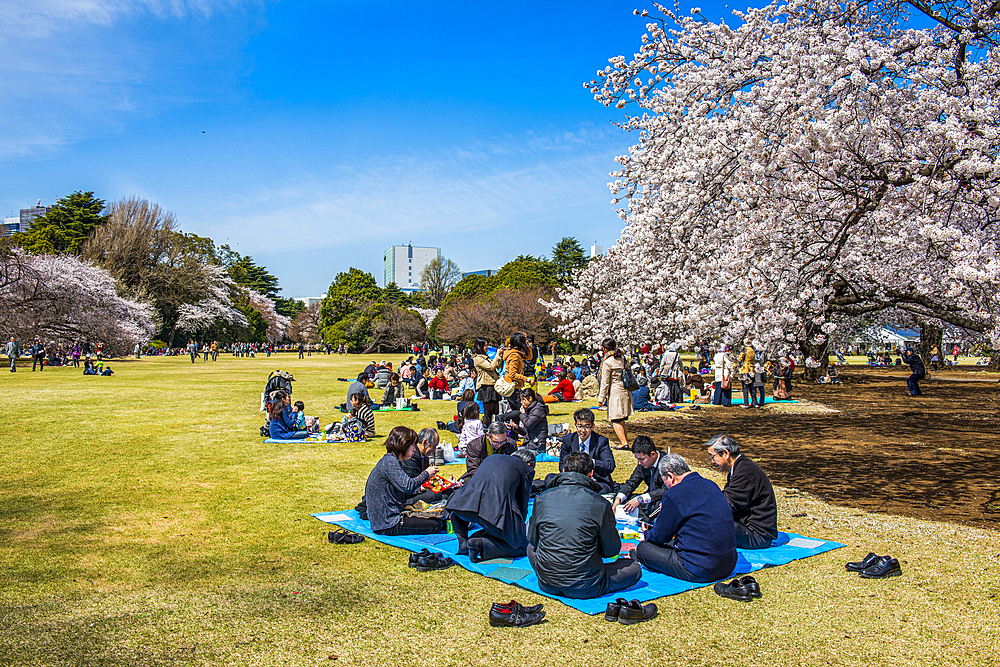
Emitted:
<point x="594" y="445"/>
<point x="749" y="492"/>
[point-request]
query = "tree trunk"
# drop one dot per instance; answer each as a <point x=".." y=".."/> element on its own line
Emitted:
<point x="931" y="334"/>
<point x="819" y="352"/>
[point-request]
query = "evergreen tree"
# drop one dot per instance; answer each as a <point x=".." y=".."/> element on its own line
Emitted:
<point x="65" y="227"/>
<point x="567" y="257"/>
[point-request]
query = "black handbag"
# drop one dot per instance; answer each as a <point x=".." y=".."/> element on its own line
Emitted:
<point x="628" y="379"/>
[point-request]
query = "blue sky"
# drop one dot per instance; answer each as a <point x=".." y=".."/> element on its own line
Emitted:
<point x="313" y="135"/>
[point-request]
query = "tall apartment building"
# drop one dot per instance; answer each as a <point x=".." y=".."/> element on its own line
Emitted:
<point x="29" y="214"/>
<point x="403" y="265"/>
<point x="596" y="250"/>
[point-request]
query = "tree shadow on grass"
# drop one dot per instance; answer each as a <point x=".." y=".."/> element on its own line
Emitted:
<point x="932" y="457"/>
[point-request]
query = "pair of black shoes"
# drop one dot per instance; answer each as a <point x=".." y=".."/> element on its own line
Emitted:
<point x="743" y="589"/>
<point x="628" y="612"/>
<point x="874" y="566"/>
<point x="426" y="560"/>
<point x="512" y="614"/>
<point x="342" y="536"/>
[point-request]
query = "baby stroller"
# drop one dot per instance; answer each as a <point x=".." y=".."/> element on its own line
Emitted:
<point x="276" y="381"/>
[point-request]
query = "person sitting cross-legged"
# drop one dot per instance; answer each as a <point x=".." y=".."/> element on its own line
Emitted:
<point x="595" y="445"/>
<point x="572" y="529"/>
<point x="496" y="498"/>
<point x="749" y="493"/>
<point x="692" y="537"/>
<point x="647" y="471"/>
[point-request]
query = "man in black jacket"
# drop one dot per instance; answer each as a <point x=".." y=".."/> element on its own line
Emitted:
<point x="593" y="444"/>
<point x="917" y="371"/>
<point x="572" y="529"/>
<point x="749" y="492"/>
<point x="496" y="498"/>
<point x="647" y="471"/>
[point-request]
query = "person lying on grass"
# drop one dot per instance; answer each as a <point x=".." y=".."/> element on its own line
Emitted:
<point x="388" y="488"/>
<point x="282" y="420"/>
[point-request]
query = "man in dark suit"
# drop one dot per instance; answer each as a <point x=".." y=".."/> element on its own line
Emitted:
<point x="647" y="471"/>
<point x="749" y="492"/>
<point x="496" y="498"/>
<point x="594" y="445"/>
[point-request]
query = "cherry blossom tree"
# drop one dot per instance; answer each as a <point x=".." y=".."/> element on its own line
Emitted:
<point x="820" y="160"/>
<point x="216" y="304"/>
<point x="61" y="298"/>
<point x="277" y="324"/>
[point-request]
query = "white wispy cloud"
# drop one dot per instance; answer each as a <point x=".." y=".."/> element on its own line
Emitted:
<point x="461" y="192"/>
<point x="73" y="68"/>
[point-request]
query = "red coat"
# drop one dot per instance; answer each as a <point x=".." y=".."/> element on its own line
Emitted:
<point x="566" y="387"/>
<point x="438" y="383"/>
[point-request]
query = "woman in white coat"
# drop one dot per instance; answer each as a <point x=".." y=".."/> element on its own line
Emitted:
<point x="722" y="388"/>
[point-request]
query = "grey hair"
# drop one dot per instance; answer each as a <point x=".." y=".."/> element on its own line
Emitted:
<point x="429" y="435"/>
<point x="496" y="428"/>
<point x="674" y="464"/>
<point x="723" y="442"/>
<point x="525" y="455"/>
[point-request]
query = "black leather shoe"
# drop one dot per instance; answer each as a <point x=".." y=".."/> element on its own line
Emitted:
<point x="863" y="564"/>
<point x="886" y="566"/>
<point x="753" y="588"/>
<point x="433" y="562"/>
<point x="417" y="556"/>
<point x="614" y="609"/>
<point x="514" y="604"/>
<point x="733" y="590"/>
<point x="342" y="536"/>
<point x="634" y="611"/>
<point x="514" y="617"/>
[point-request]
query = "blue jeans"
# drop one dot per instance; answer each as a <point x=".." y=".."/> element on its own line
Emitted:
<point x="721" y="396"/>
<point x="911" y="383"/>
<point x="758" y="393"/>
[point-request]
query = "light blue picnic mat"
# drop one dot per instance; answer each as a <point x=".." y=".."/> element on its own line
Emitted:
<point x="518" y="572"/>
<point x="545" y="457"/>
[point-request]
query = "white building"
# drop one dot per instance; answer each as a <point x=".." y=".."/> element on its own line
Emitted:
<point x="310" y="300"/>
<point x="10" y="225"/>
<point x="403" y="265"/>
<point x="596" y="250"/>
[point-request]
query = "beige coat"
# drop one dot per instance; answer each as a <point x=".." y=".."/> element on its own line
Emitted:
<point x="588" y="387"/>
<point x="487" y="371"/>
<point x="613" y="392"/>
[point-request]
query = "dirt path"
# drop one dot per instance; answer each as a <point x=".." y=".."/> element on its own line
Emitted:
<point x="933" y="457"/>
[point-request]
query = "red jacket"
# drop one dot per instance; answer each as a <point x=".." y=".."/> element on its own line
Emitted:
<point x="438" y="383"/>
<point x="566" y="387"/>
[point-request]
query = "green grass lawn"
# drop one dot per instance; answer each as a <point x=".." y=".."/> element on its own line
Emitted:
<point x="143" y="521"/>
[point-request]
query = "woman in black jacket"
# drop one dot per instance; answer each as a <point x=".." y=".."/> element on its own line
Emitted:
<point x="532" y="421"/>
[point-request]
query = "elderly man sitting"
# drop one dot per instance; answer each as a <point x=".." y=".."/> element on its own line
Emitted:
<point x="749" y="493"/>
<point x="494" y="442"/>
<point x="692" y="537"/>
